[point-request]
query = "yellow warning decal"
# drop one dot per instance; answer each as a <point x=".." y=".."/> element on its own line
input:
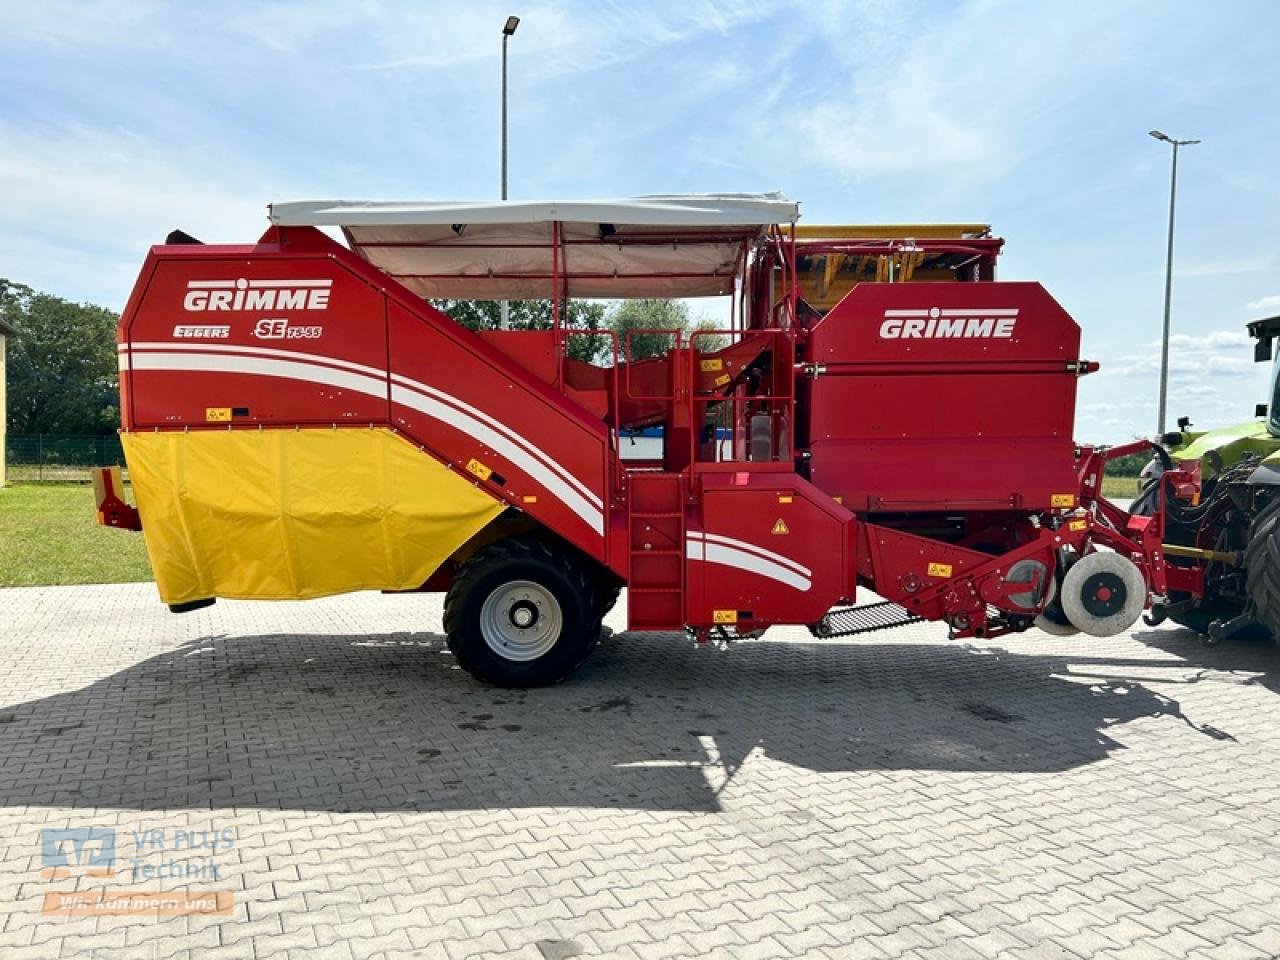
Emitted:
<point x="1078" y="525"/>
<point x="724" y="616"/>
<point x="476" y="468"/>
<point x="785" y="498"/>
<point x="939" y="570"/>
<point x="529" y="498"/>
<point x="712" y="365"/>
<point x="722" y="380"/>
<point x="217" y="414"/>
<point x="780" y="528"/>
<point x="1062" y="500"/>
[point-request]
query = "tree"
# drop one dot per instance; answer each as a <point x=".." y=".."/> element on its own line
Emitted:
<point x="622" y="317"/>
<point x="629" y="315"/>
<point x="532" y="315"/>
<point x="63" y="375"/>
<point x="1129" y="466"/>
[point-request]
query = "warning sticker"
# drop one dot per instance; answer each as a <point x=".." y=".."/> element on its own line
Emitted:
<point x="712" y="365"/>
<point x="724" y="616"/>
<point x="780" y="528"/>
<point x="217" y="414"/>
<point x="939" y="570"/>
<point x="723" y="379"/>
<point x="1062" y="500"/>
<point x="1077" y="525"/>
<point x="478" y="469"/>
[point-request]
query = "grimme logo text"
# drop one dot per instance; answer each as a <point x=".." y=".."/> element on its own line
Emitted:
<point x="242" y="294"/>
<point x="940" y="322"/>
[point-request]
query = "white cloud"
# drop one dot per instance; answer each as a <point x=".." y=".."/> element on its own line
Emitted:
<point x="1219" y="353"/>
<point x="1264" y="303"/>
<point x="1215" y="340"/>
<point x="79" y="23"/>
<point x="552" y="38"/>
<point x="908" y="100"/>
<point x="88" y="203"/>
<point x="1226" y="267"/>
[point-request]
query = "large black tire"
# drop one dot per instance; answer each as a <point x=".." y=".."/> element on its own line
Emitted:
<point x="1262" y="567"/>
<point x="607" y="593"/>
<point x="521" y="613"/>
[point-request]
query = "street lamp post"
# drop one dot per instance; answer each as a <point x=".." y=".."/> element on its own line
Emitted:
<point x="1168" y="274"/>
<point x="508" y="30"/>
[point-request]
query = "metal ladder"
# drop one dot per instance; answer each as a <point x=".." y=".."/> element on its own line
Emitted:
<point x="656" y="543"/>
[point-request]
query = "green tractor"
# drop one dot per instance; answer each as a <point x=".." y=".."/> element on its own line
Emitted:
<point x="1220" y="493"/>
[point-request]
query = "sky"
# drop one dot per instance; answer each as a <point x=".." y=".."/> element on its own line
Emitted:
<point x="122" y="119"/>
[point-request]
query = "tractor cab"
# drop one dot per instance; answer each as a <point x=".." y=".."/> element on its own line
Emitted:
<point x="1265" y="332"/>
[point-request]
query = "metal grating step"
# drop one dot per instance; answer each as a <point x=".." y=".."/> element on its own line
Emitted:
<point x="848" y="621"/>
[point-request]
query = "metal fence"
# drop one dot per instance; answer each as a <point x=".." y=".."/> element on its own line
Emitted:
<point x="48" y="458"/>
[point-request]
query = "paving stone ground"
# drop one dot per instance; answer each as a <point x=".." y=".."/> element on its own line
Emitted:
<point x="900" y="795"/>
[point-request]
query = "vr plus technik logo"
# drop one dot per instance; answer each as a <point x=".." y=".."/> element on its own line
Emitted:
<point x="87" y="850"/>
<point x="184" y="855"/>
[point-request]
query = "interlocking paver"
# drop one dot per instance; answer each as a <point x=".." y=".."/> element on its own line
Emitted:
<point x="788" y="798"/>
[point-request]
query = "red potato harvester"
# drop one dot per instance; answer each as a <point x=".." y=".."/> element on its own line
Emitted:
<point x="299" y="421"/>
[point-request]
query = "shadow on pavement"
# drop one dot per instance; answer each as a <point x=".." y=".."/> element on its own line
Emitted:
<point x="1249" y="661"/>
<point x="389" y="723"/>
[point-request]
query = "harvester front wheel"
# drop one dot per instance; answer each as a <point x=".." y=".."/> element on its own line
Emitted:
<point x="1103" y="594"/>
<point x="607" y="593"/>
<point x="521" y="613"/>
<point x="1262" y="567"/>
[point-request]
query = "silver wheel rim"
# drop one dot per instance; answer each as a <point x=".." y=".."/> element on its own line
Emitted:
<point x="521" y="620"/>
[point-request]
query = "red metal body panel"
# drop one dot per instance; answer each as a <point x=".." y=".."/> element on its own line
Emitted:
<point x="191" y="362"/>
<point x="240" y="357"/>
<point x="768" y="546"/>
<point x="906" y="415"/>
<point x="447" y="398"/>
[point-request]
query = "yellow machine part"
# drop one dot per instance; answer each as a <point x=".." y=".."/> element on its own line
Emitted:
<point x="290" y="514"/>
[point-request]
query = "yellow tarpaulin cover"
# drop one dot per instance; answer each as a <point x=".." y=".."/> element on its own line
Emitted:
<point x="288" y="514"/>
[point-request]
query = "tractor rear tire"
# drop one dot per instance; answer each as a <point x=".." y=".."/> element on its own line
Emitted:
<point x="521" y="613"/>
<point x="1262" y="567"/>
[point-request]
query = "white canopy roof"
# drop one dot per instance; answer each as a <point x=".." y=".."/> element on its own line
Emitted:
<point x="659" y="246"/>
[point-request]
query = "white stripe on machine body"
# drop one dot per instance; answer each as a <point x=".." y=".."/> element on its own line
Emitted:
<point x="502" y="445"/>
<point x="320" y="359"/>
<point x="502" y="428"/>
<point x="208" y="362"/>
<point x="359" y="378"/>
<point x="713" y="548"/>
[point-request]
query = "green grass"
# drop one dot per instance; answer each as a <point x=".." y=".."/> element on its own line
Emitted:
<point x="1120" y="488"/>
<point x="49" y="534"/>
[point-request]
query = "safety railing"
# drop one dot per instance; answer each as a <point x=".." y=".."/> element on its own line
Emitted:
<point x="741" y="396"/>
